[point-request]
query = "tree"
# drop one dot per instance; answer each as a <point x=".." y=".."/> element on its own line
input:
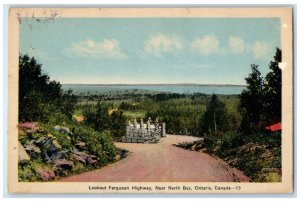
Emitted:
<point x="252" y="102"/>
<point x="118" y="124"/>
<point x="39" y="97"/>
<point x="215" y="117"/>
<point x="261" y="101"/>
<point x="97" y="117"/>
<point x="272" y="89"/>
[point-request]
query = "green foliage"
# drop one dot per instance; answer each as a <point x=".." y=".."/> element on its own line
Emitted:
<point x="128" y="106"/>
<point x="39" y="97"/>
<point x="182" y="115"/>
<point x="44" y="101"/>
<point x="97" y="143"/>
<point x="216" y="117"/>
<point x="261" y="101"/>
<point x="117" y="124"/>
<point x="252" y="102"/>
<point x="272" y="90"/>
<point x="131" y="115"/>
<point x="258" y="156"/>
<point x="97" y="117"/>
<point x="27" y="172"/>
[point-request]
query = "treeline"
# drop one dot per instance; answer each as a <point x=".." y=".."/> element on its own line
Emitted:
<point x="134" y="95"/>
<point x="258" y="106"/>
<point x="182" y="114"/>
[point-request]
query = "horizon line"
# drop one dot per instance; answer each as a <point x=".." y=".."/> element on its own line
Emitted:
<point x="145" y="84"/>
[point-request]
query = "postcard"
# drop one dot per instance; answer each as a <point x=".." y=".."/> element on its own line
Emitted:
<point x="150" y="100"/>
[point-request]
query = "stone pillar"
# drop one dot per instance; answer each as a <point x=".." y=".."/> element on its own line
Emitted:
<point x="163" y="131"/>
<point x="142" y="123"/>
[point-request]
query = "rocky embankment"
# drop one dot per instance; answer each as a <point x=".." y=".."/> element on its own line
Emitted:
<point x="255" y="159"/>
<point x="42" y="157"/>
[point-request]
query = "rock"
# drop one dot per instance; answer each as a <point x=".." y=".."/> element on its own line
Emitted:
<point x="84" y="157"/>
<point x="23" y="157"/>
<point x="62" y="129"/>
<point x="45" y="156"/>
<point x="59" y="155"/>
<point x="40" y="140"/>
<point x="80" y="145"/>
<point x="46" y="175"/>
<point x="93" y="157"/>
<point x="56" y="145"/>
<point x="50" y="147"/>
<point x="117" y="157"/>
<point x="79" y="158"/>
<point x="31" y="148"/>
<point x="57" y="127"/>
<point x="63" y="164"/>
<point x="91" y="161"/>
<point x="30" y="127"/>
<point x="21" y="132"/>
<point x="50" y="136"/>
<point x="65" y="130"/>
<point x="46" y="144"/>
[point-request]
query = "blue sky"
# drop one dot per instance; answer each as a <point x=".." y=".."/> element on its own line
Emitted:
<point x="151" y="50"/>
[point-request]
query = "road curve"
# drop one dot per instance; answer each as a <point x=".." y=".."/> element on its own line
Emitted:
<point x="162" y="162"/>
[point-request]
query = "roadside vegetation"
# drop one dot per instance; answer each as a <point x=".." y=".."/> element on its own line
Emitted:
<point x="52" y="143"/>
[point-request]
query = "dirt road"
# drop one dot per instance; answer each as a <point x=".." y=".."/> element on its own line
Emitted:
<point x="162" y="162"/>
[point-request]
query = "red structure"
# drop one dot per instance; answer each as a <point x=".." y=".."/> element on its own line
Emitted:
<point x="274" y="127"/>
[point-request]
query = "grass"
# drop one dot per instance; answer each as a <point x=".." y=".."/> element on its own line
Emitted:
<point x="135" y="114"/>
<point x="78" y="118"/>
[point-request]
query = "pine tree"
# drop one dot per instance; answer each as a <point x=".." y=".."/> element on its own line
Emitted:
<point x="272" y="90"/>
<point x="215" y="117"/>
<point x="252" y="102"/>
<point x="118" y="123"/>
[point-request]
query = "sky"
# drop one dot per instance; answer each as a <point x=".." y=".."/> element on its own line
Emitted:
<point x="150" y="50"/>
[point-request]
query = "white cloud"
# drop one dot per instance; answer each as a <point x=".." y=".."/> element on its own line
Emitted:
<point x="160" y="44"/>
<point x="206" y="45"/>
<point x="37" y="53"/>
<point x="108" y="48"/>
<point x="260" y="49"/>
<point x="236" y="44"/>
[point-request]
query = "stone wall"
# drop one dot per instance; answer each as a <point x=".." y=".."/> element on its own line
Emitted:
<point x="149" y="132"/>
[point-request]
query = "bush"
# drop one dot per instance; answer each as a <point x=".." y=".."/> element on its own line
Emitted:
<point x="117" y="124"/>
<point x="97" y="117"/>
<point x="254" y="155"/>
<point x="99" y="144"/>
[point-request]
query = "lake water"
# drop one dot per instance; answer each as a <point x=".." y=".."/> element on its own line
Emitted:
<point x="206" y="89"/>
